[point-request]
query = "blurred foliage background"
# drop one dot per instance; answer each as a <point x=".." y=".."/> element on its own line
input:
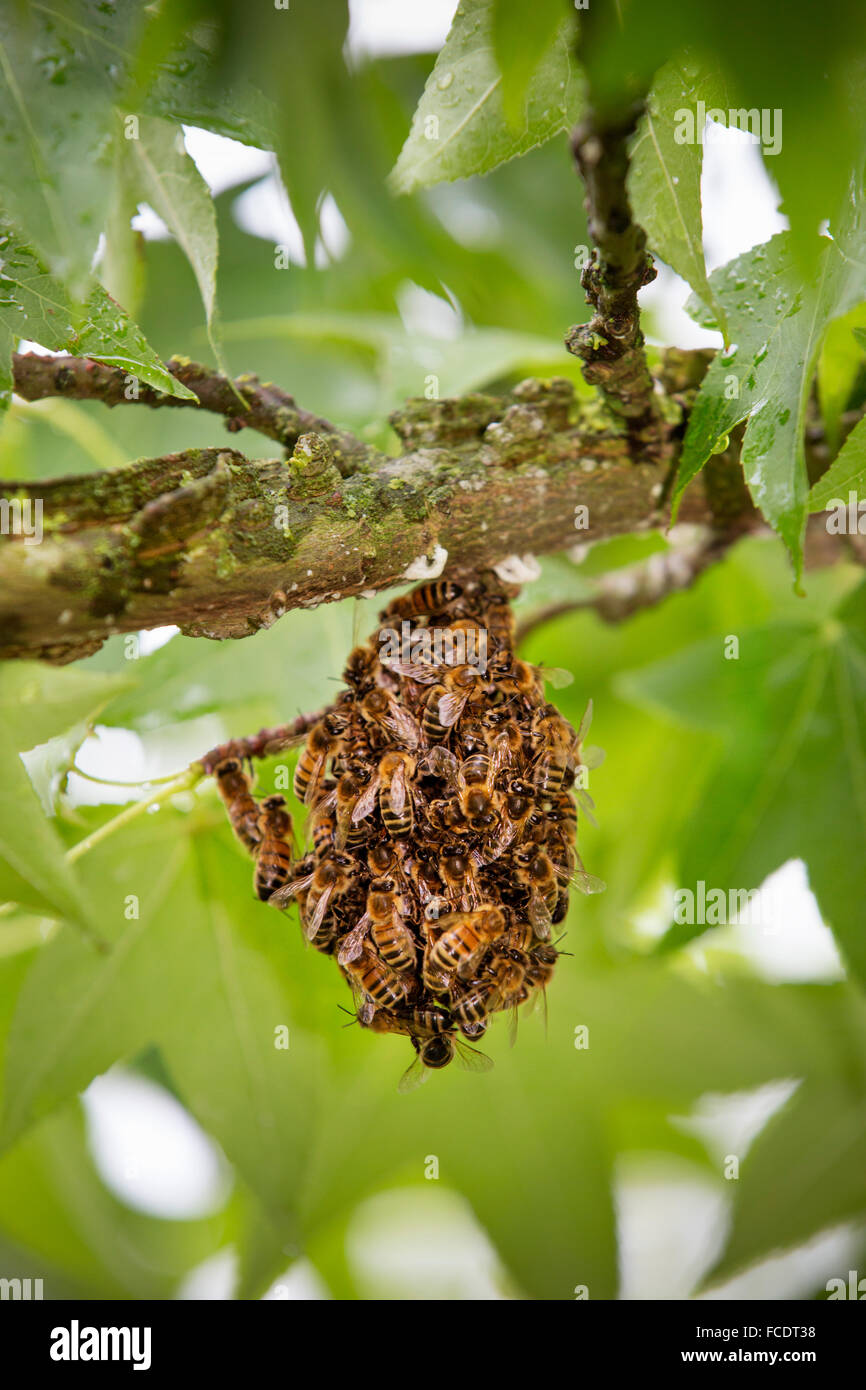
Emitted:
<point x="721" y="771"/>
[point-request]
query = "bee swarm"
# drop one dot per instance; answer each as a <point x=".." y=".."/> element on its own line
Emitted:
<point x="442" y="819"/>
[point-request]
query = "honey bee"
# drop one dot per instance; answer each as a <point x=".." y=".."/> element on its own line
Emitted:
<point x="500" y="988"/>
<point x="479" y="807"/>
<point x="354" y="802"/>
<point x="382" y="709"/>
<point x="382" y="859"/>
<point x="462" y="684"/>
<point x="431" y="724"/>
<point x="384" y="919"/>
<point x="329" y="880"/>
<point x="500" y="621"/>
<point x="464" y="636"/>
<point x="419" y="1023"/>
<point x="434" y="597"/>
<point x="534" y="869"/>
<point x="518" y="809"/>
<point x="323" y="742"/>
<point x="435" y="1053"/>
<point x="555" y="762"/>
<point x="464" y="935"/>
<point x="324" y="828"/>
<point x="275" y="853"/>
<point x="541" y="966"/>
<point x="374" y="978"/>
<point x="395" y="796"/>
<point x="360" y="671"/>
<point x="515" y="677"/>
<point x="388" y="930"/>
<point x="233" y="785"/>
<point x="457" y="872"/>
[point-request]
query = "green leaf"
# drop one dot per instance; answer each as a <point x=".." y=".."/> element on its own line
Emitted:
<point x="804" y="1173"/>
<point x="847" y="473"/>
<point x="60" y="70"/>
<point x="776" y="326"/>
<point x="664" y="180"/>
<point x="803" y="78"/>
<point x="788" y="719"/>
<point x="39" y="703"/>
<point x="168" y="179"/>
<point x="55" y="1207"/>
<point x="521" y="37"/>
<point x="33" y="871"/>
<point x="33" y="304"/>
<point x="460" y="126"/>
<point x="841" y="362"/>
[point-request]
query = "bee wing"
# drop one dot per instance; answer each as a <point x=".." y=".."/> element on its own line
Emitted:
<point x="422" y="672"/>
<point x="366" y="801"/>
<point x="441" y="762"/>
<point x="471" y="1059"/>
<point x="450" y="709"/>
<point x="397" y="791"/>
<point x="282" y="896"/>
<point x="512" y="1025"/>
<point x="556" y="676"/>
<point x="312" y="785"/>
<point x="588" y="805"/>
<point x="404" y="726"/>
<point x="539" y="916"/>
<point x="353" y="943"/>
<point x="583" y="728"/>
<point x="414" y="1076"/>
<point x="318" y="917"/>
<point x="587" y="883"/>
<point x="592" y="757"/>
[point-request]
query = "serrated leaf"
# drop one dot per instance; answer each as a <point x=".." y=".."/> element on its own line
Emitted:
<point x="35" y="305"/>
<point x="804" y="1173"/>
<point x="521" y="37"/>
<point x="168" y="179"/>
<point x="764" y="377"/>
<point x="33" y="871"/>
<point x="789" y="718"/>
<point x="460" y="127"/>
<point x="60" y="70"/>
<point x="38" y="701"/>
<point x="664" y="180"/>
<point x="841" y="362"/>
<point x="847" y="473"/>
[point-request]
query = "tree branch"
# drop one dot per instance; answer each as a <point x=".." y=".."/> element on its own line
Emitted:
<point x="611" y="345"/>
<point x="243" y="403"/>
<point x="221" y="546"/>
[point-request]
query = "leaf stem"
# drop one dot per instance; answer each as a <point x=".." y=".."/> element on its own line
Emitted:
<point x="185" y="782"/>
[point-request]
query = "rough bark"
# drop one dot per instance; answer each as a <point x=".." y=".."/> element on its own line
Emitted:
<point x="221" y="546"/>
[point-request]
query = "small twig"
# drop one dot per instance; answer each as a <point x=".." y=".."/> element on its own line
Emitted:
<point x="265" y="743"/>
<point x="185" y="782"/>
<point x="243" y="403"/>
<point x="611" y="345"/>
<point x="622" y="593"/>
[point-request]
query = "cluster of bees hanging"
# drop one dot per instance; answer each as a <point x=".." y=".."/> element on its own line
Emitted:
<point x="442" y="823"/>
